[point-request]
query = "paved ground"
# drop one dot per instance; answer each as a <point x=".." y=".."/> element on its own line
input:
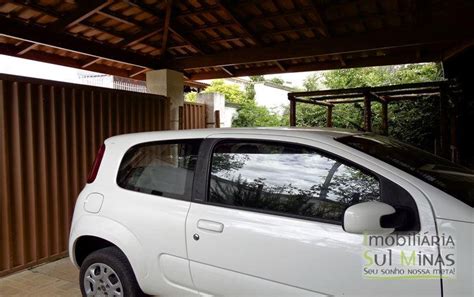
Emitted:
<point x="59" y="278"/>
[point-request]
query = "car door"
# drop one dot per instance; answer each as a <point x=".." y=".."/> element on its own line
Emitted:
<point x="269" y="221"/>
<point x="155" y="181"/>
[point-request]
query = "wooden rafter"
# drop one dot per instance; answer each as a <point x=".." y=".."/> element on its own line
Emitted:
<point x="173" y="27"/>
<point x="65" y="61"/>
<point x="84" y="10"/>
<point x="26" y="47"/>
<point x="199" y="11"/>
<point x="166" y="26"/>
<point x="37" y="34"/>
<point x="216" y="25"/>
<point x="458" y="49"/>
<point x="374" y="61"/>
<point x="185" y="39"/>
<point x="304" y="27"/>
<point x="371" y="41"/>
<point x="136" y="73"/>
<point x="323" y="29"/>
<point x="245" y="28"/>
<point x="90" y="62"/>
<point x="278" y="64"/>
<point x="287" y="13"/>
<point x="104" y="29"/>
<point x="143" y="6"/>
<point x="226" y="70"/>
<point x="119" y="17"/>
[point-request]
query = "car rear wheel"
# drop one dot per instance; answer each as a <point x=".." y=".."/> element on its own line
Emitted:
<point x="107" y="272"/>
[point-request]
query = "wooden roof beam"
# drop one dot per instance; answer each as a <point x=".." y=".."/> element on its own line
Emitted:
<point x="279" y="14"/>
<point x="321" y="103"/>
<point x="145" y="7"/>
<point x="458" y="49"/>
<point x="136" y="73"/>
<point x="364" y="62"/>
<point x="198" y="11"/>
<point x="187" y="40"/>
<point x="371" y="41"/>
<point x="166" y="26"/>
<point x="226" y="6"/>
<point x="119" y="17"/>
<point x="90" y="62"/>
<point x="37" y="7"/>
<point x="37" y="34"/>
<point x="304" y="27"/>
<point x="173" y="27"/>
<point x="216" y="25"/>
<point x="278" y="64"/>
<point x="377" y="97"/>
<point x="226" y="70"/>
<point x="323" y="29"/>
<point x="26" y="47"/>
<point x="85" y="9"/>
<point x="104" y="29"/>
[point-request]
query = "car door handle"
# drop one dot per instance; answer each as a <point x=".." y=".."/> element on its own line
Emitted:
<point x="210" y="226"/>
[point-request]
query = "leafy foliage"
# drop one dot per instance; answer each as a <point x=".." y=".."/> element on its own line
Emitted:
<point x="232" y="92"/>
<point x="252" y="115"/>
<point x="410" y="121"/>
<point x="191" y="97"/>
<point x="277" y="81"/>
<point x="311" y="82"/>
<point x="249" y="114"/>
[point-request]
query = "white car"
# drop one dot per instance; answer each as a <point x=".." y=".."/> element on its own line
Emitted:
<point x="272" y="212"/>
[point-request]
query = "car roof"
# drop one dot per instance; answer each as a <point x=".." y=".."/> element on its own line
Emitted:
<point x="315" y="133"/>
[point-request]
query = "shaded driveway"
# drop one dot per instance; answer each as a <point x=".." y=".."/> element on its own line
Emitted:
<point x="59" y="278"/>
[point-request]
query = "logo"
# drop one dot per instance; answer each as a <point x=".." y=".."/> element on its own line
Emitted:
<point x="409" y="256"/>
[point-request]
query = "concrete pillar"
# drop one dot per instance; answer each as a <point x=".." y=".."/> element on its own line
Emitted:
<point x="213" y="101"/>
<point x="169" y="83"/>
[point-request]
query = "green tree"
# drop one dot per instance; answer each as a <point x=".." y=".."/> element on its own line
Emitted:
<point x="411" y="121"/>
<point x="252" y="115"/>
<point x="249" y="113"/>
<point x="311" y="82"/>
<point x="232" y="92"/>
<point x="190" y="97"/>
<point x="277" y="81"/>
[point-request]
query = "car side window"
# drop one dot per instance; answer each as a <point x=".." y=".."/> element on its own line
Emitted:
<point x="163" y="168"/>
<point x="288" y="179"/>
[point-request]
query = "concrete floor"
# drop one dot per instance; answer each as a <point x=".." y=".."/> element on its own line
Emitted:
<point x="59" y="278"/>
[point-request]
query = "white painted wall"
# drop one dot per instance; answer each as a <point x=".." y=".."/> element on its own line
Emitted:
<point x="274" y="99"/>
<point x="227" y="116"/>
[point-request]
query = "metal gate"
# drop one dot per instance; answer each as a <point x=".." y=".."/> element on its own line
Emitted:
<point x="192" y="116"/>
<point x="49" y="135"/>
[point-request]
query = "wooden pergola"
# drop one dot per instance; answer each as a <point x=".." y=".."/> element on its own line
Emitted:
<point x="207" y="39"/>
<point x="384" y="95"/>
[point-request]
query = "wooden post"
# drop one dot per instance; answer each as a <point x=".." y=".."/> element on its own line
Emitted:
<point x="292" y="111"/>
<point x="367" y="114"/>
<point x="181" y="118"/>
<point x="329" y="117"/>
<point x="384" y="117"/>
<point x="217" y="119"/>
<point x="444" y="122"/>
<point x="454" y="132"/>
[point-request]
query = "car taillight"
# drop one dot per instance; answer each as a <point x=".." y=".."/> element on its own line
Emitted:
<point x="96" y="165"/>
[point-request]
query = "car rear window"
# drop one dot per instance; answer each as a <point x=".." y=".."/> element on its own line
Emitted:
<point x="160" y="168"/>
<point x="449" y="177"/>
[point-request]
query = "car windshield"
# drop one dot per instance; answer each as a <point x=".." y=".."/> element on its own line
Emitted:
<point x="451" y="178"/>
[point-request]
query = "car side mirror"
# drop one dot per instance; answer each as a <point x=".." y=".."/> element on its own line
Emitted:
<point x="369" y="218"/>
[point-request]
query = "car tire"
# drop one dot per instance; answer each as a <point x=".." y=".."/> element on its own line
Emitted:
<point x="107" y="271"/>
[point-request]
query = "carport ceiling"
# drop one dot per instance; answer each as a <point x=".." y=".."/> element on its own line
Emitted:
<point x="223" y="38"/>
